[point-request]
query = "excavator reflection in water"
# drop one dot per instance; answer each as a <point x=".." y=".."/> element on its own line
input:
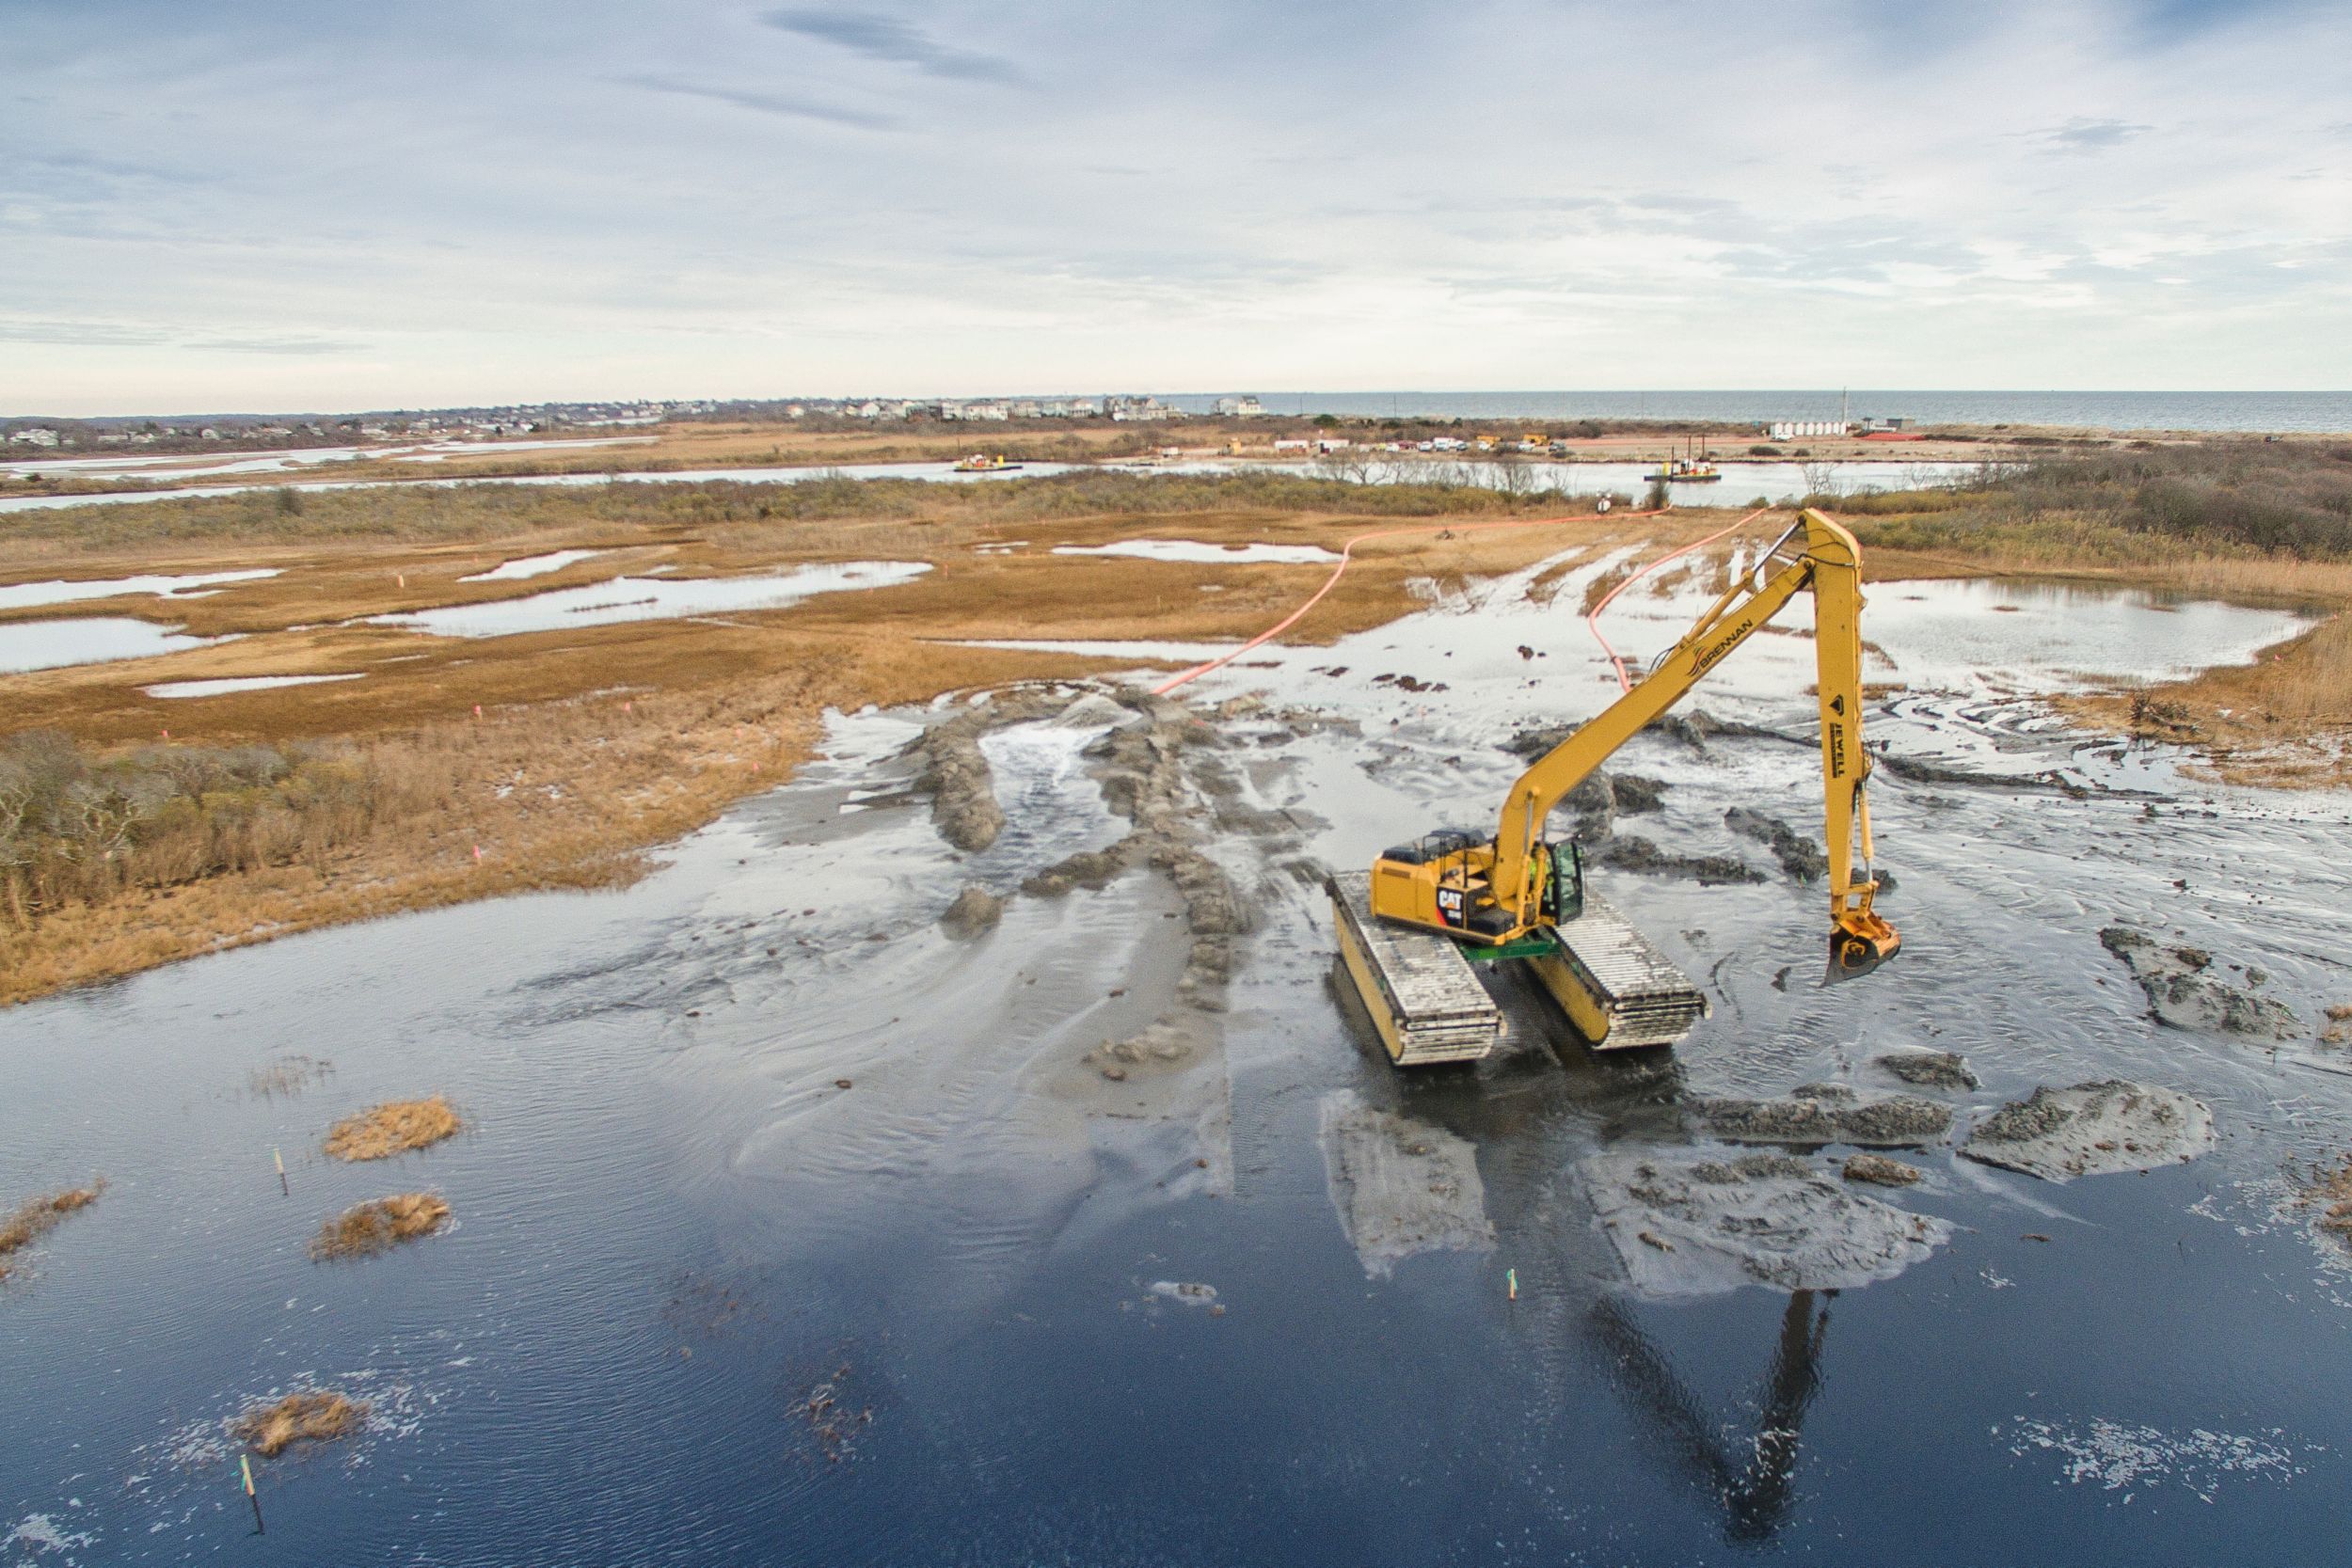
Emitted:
<point x="1756" y="1490"/>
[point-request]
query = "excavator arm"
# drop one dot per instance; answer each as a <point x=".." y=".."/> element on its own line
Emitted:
<point x="1498" y="892"/>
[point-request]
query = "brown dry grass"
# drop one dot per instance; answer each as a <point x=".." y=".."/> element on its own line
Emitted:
<point x="40" y="1216"/>
<point x="595" y="743"/>
<point x="396" y="1127"/>
<point x="367" y="1229"/>
<point x="314" y="1415"/>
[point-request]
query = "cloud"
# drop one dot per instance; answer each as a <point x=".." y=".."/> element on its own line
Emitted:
<point x="81" y="334"/>
<point x="2088" y="135"/>
<point x="883" y="38"/>
<point x="786" y="104"/>
<point x="275" y="345"/>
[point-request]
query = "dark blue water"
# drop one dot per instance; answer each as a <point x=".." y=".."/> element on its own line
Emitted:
<point x="2279" y="412"/>
<point x="673" y="1227"/>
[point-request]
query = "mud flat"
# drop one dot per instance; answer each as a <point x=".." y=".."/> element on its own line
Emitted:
<point x="2093" y="1128"/>
<point x="1689" y="1222"/>
<point x="2186" y="989"/>
<point x="1401" y="1187"/>
<point x="1824" y="1113"/>
<point x="1928" y="1069"/>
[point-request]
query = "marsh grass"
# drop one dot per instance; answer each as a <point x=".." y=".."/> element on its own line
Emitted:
<point x="396" y="1127"/>
<point x="36" y="1217"/>
<point x="312" y="1415"/>
<point x="366" y="1230"/>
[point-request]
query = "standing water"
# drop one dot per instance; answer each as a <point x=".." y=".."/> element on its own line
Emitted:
<point x="785" y="1229"/>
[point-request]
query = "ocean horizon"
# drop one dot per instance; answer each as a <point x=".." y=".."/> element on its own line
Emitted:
<point x="2283" y="413"/>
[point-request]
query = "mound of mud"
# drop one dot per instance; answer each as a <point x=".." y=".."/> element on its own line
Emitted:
<point x="974" y="914"/>
<point x="1634" y="794"/>
<point x="1879" y="1171"/>
<point x="2186" y="991"/>
<point x="1633" y="852"/>
<point x="392" y="1127"/>
<point x="1800" y="856"/>
<point x="961" y="785"/>
<point x="1095" y="869"/>
<point x="1930" y="1070"/>
<point x="1913" y="769"/>
<point x="1401" y="1187"/>
<point x="1824" y="1113"/>
<point x="1685" y="1222"/>
<point x="2093" y="1128"/>
<point x="368" y="1228"/>
<point x="1093" y="711"/>
<point x="315" y="1415"/>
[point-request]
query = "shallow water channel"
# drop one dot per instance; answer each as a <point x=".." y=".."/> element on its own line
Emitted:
<point x="675" y="1229"/>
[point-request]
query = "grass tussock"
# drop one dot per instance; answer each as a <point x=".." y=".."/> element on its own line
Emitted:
<point x="368" y="1228"/>
<point x="37" y="1218"/>
<point x="313" y="1416"/>
<point x="396" y="1127"/>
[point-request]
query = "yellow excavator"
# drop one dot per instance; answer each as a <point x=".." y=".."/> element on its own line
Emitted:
<point x="1409" y="927"/>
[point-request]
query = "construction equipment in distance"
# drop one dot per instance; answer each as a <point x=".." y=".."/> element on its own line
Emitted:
<point x="1408" y="928"/>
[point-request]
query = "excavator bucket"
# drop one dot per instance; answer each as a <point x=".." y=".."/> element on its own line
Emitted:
<point x="1853" y="953"/>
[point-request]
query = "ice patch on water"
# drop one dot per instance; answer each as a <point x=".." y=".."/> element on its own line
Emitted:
<point x="2119" y="1457"/>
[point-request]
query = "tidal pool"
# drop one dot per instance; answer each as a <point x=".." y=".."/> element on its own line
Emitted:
<point x="652" y="598"/>
<point x="85" y="640"/>
<point x="1192" y="551"/>
<point x="23" y="596"/>
<point x="532" y="566"/>
<point x="175" y="689"/>
<point x="753" y="1132"/>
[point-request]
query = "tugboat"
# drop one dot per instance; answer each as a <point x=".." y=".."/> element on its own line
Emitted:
<point x="1692" y="469"/>
<point x="979" y="463"/>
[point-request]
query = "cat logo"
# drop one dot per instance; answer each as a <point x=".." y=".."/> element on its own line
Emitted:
<point x="1449" y="905"/>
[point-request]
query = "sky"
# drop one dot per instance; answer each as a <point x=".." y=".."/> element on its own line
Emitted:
<point x="256" y="206"/>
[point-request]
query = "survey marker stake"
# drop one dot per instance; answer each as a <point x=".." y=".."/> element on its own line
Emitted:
<point x="246" y="1464"/>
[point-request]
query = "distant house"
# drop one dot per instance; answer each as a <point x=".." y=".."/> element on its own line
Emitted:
<point x="38" y="435"/>
<point x="1788" y="430"/>
<point x="1245" y="408"/>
